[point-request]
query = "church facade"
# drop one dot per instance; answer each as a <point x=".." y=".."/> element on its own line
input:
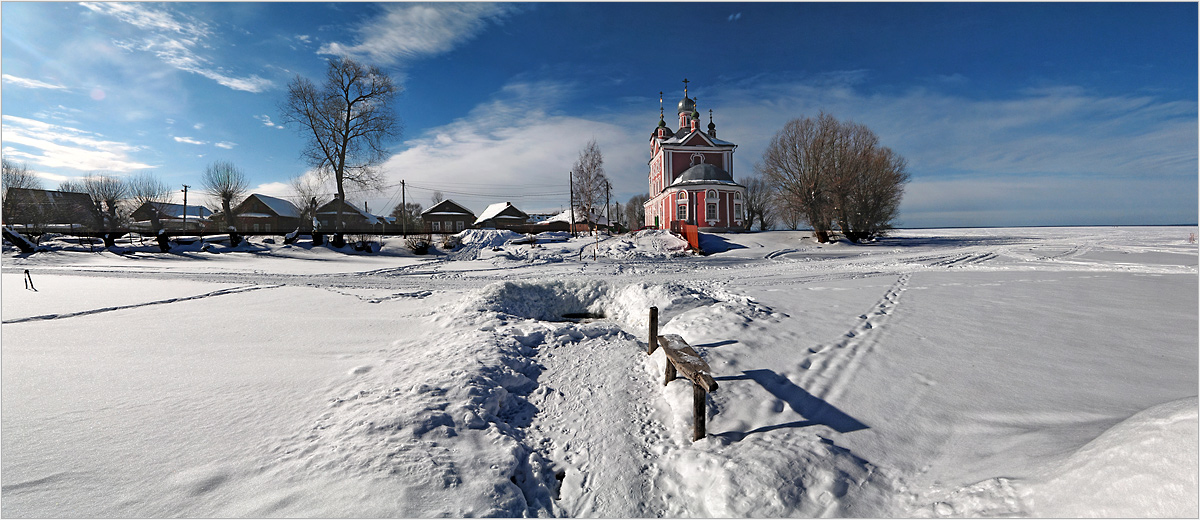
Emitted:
<point x="691" y="176"/>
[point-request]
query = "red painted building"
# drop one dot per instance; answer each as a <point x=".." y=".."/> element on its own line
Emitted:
<point x="691" y="177"/>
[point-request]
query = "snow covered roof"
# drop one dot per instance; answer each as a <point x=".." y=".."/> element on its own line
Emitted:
<point x="580" y="218"/>
<point x="681" y="136"/>
<point x="170" y="210"/>
<point x="448" y="207"/>
<point x="281" y="207"/>
<point x="501" y="209"/>
<point x="330" y="209"/>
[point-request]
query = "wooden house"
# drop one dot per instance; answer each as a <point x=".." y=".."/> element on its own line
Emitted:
<point x="264" y="214"/>
<point x="501" y="215"/>
<point x="447" y="216"/>
<point x="44" y="210"/>
<point x="171" y="216"/>
<point x="354" y="220"/>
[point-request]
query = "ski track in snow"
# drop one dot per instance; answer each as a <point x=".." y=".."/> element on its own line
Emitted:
<point x="221" y="292"/>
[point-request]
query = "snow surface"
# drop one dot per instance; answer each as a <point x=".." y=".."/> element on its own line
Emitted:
<point x="967" y="372"/>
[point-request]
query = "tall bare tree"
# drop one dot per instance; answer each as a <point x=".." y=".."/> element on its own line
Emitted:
<point x="145" y="188"/>
<point x="589" y="178"/>
<point x="71" y="186"/>
<point x="226" y="183"/>
<point x="828" y="171"/>
<point x="348" y="121"/>
<point x="438" y="197"/>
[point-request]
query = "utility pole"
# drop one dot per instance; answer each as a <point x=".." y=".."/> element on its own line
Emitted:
<point x="607" y="206"/>
<point x="571" y="227"/>
<point x="185" y="188"/>
<point x="403" y="211"/>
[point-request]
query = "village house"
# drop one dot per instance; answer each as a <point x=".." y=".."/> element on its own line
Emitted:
<point x="354" y="220"/>
<point x="501" y="215"/>
<point x="691" y="177"/>
<point x="447" y="216"/>
<point x="265" y="214"/>
<point x="170" y="216"/>
<point x="45" y="209"/>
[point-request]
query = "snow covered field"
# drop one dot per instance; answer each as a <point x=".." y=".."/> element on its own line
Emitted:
<point x="965" y="372"/>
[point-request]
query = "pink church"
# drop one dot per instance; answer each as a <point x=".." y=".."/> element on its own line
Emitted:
<point x="691" y="177"/>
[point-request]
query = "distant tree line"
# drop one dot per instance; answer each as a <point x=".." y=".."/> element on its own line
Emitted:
<point x="827" y="174"/>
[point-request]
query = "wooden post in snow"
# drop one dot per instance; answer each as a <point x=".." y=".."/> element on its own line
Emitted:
<point x="685" y="360"/>
<point x="653" y="331"/>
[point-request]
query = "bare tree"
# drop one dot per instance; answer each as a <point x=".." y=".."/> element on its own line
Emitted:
<point x="408" y="215"/>
<point x="309" y="193"/>
<point x="145" y="188"/>
<point x="635" y="211"/>
<point x="760" y="203"/>
<point x="71" y="186"/>
<point x="108" y="193"/>
<point x="589" y="180"/>
<point x="16" y="176"/>
<point x="225" y="182"/>
<point x="348" y="122"/>
<point x="438" y="197"/>
<point x="829" y="171"/>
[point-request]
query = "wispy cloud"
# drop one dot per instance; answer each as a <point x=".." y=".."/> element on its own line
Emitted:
<point x="406" y="31"/>
<point x="735" y="16"/>
<point x="56" y="146"/>
<point x="226" y="145"/>
<point x="174" y="39"/>
<point x="266" y="121"/>
<point x="30" y="83"/>
<point x="189" y="140"/>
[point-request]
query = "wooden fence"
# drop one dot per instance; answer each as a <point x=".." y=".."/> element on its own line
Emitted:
<point x="682" y="359"/>
<point x="689" y="232"/>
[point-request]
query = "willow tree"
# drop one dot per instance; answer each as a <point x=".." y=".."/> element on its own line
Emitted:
<point x="827" y="171"/>
<point x="348" y="122"/>
<point x="226" y="183"/>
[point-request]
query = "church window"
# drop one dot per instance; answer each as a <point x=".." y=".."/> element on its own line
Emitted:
<point x="737" y="211"/>
<point x="712" y="211"/>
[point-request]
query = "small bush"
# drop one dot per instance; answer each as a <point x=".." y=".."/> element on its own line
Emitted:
<point x="419" y="244"/>
<point x="450" y="242"/>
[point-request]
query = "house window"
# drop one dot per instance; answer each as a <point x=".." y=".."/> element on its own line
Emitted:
<point x="267" y="227"/>
<point x="458" y="226"/>
<point x="436" y="225"/>
<point x="448" y="226"/>
<point x="256" y="228"/>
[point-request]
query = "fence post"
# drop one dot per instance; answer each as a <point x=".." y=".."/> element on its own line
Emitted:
<point x="653" y="330"/>
<point x="670" y="372"/>
<point x="698" y="412"/>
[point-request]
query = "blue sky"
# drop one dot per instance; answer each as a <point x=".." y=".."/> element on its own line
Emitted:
<point x="1008" y="114"/>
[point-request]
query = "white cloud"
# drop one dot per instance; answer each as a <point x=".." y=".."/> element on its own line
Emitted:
<point x="198" y="126"/>
<point x="735" y="16"/>
<point x="266" y="121"/>
<point x="512" y="148"/>
<point x="56" y="146"/>
<point x="281" y="190"/>
<point x="30" y="83"/>
<point x="174" y="41"/>
<point x="189" y="140"/>
<point x="226" y="145"/>
<point x="406" y="31"/>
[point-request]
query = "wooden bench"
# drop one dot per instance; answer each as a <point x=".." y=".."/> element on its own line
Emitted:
<point x="682" y="359"/>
